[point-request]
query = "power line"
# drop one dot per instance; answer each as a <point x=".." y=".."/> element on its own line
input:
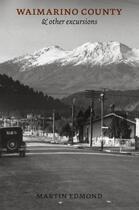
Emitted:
<point x="123" y="95"/>
<point x="110" y="94"/>
<point x="96" y="92"/>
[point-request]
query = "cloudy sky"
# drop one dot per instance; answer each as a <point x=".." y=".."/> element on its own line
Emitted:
<point x="25" y="34"/>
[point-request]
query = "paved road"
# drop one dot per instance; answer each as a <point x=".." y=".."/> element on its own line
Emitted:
<point x="44" y="148"/>
<point x="69" y="179"/>
<point x="41" y="148"/>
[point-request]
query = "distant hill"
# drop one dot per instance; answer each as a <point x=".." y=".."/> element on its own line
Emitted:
<point x="20" y="99"/>
<point x="127" y="101"/>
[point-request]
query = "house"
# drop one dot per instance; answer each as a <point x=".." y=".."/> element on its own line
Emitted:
<point x="113" y="127"/>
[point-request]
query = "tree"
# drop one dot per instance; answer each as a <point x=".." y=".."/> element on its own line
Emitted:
<point x="79" y="124"/>
<point x="87" y="113"/>
<point x="119" y="128"/>
<point x="114" y="129"/>
<point x="66" y="130"/>
<point x="125" y="129"/>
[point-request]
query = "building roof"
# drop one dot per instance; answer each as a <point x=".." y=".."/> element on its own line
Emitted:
<point x="115" y="115"/>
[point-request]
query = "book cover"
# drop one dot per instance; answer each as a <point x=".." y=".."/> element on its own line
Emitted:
<point x="69" y="104"/>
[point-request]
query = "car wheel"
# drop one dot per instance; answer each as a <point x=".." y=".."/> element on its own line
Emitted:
<point x="12" y="144"/>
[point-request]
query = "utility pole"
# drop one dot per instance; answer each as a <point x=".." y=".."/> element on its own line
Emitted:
<point x="93" y="95"/>
<point x="91" y="121"/>
<point x="53" y="125"/>
<point x="73" y="103"/>
<point x="102" y="113"/>
<point x="43" y="124"/>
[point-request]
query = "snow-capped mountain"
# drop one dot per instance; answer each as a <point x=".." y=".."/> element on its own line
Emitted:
<point x="41" y="57"/>
<point x="103" y="54"/>
<point x="98" y="53"/>
<point x="96" y="65"/>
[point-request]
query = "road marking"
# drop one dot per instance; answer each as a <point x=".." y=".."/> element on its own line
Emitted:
<point x="71" y="153"/>
<point x="109" y="202"/>
<point x="45" y="145"/>
<point x="60" y="202"/>
<point x="33" y="148"/>
<point x="77" y="153"/>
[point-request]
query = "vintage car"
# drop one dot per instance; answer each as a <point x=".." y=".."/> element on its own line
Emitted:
<point x="11" y="141"/>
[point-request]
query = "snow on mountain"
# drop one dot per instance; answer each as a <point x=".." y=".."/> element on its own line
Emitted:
<point x="48" y="55"/>
<point x="98" y="53"/>
<point x="111" y="65"/>
<point x="41" y="57"/>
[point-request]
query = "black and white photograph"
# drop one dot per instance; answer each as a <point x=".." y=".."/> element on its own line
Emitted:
<point x="69" y="105"/>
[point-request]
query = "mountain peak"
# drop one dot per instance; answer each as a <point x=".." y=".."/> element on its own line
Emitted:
<point x="104" y="45"/>
<point x="97" y="53"/>
<point x="41" y="57"/>
<point x="48" y="49"/>
<point x="108" y="44"/>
